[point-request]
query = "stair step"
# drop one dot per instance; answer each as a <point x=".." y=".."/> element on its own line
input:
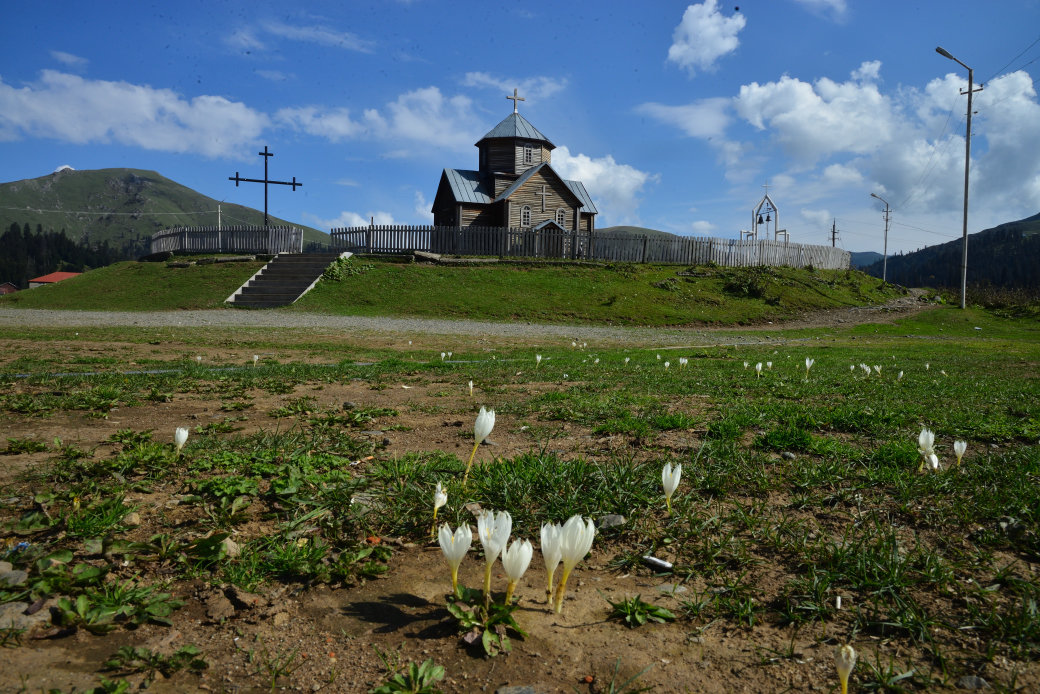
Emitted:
<point x="283" y="280"/>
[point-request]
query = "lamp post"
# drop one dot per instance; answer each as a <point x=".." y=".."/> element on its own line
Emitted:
<point x="884" y="264"/>
<point x="967" y="162"/>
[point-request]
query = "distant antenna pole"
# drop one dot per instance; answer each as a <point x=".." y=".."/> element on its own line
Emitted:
<point x="218" y="217"/>
<point x="265" y="180"/>
<point x="834" y="232"/>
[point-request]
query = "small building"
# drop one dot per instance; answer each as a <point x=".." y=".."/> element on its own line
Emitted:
<point x="515" y="185"/>
<point x="8" y="288"/>
<point x="51" y="278"/>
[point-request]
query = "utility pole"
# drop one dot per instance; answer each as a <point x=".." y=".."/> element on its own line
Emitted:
<point x="218" y="217"/>
<point x="967" y="162"/>
<point x="884" y="264"/>
<point x="834" y="232"/>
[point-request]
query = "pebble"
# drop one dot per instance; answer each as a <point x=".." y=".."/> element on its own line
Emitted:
<point x="788" y="455"/>
<point x="13" y="577"/>
<point x="972" y="682"/>
<point x="611" y="520"/>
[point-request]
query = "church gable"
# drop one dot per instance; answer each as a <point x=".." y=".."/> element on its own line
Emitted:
<point x="540" y="195"/>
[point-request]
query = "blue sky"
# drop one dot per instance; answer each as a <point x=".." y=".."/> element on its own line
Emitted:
<point x="674" y="115"/>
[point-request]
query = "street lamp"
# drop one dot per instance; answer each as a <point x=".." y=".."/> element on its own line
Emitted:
<point x="967" y="161"/>
<point x="884" y="265"/>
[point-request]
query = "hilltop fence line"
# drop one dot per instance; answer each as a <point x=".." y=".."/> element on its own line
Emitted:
<point x="559" y="244"/>
<point x="229" y="239"/>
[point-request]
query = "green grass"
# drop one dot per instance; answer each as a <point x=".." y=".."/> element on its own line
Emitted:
<point x="621" y="294"/>
<point x="132" y="286"/>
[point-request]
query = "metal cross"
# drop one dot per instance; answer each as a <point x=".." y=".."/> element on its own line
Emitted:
<point x="544" y="193"/>
<point x="515" y="98"/>
<point x="238" y="179"/>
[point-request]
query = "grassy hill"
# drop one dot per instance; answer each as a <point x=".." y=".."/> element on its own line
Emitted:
<point x="123" y="206"/>
<point x="1004" y="256"/>
<point x="636" y="231"/>
<point x="864" y="259"/>
<point x="619" y="294"/>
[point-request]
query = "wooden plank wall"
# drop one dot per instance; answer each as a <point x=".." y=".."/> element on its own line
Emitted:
<point x="232" y="239"/>
<point x="498" y="241"/>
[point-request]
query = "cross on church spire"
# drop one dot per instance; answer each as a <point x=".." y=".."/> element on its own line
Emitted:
<point x="515" y="98"/>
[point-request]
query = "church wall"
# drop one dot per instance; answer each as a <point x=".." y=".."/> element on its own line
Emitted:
<point x="530" y="194"/>
<point x="541" y="153"/>
<point x="479" y="217"/>
<point x="503" y="182"/>
<point x="500" y="157"/>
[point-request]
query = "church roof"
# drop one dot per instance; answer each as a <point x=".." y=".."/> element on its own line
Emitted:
<point x="578" y="188"/>
<point x="467" y="186"/>
<point x="513" y="126"/>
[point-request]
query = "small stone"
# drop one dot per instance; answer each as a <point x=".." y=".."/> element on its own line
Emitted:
<point x="132" y="519"/>
<point x="242" y="599"/>
<point x="521" y="689"/>
<point x="14" y="615"/>
<point x="348" y="405"/>
<point x="671" y="588"/>
<point x="15" y="577"/>
<point x="972" y="682"/>
<point x="231" y="548"/>
<point x="219" y="608"/>
<point x="5" y="566"/>
<point x="788" y="455"/>
<point x="280" y="619"/>
<point x="611" y="520"/>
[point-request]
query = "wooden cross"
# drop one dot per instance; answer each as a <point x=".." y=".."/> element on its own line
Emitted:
<point x="238" y="179"/>
<point x="544" y="193"/>
<point x="515" y="98"/>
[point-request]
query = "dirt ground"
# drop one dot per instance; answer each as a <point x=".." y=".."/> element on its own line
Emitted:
<point x="340" y="640"/>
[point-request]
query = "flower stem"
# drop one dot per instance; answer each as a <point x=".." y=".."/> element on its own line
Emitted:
<point x="455" y="580"/>
<point x="549" y="588"/>
<point x="487" y="584"/>
<point x="668" y="503"/>
<point x="509" y="593"/>
<point x="561" y="589"/>
<point x="470" y="463"/>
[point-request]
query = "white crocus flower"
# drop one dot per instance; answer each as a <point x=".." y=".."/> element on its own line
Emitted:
<point x="877" y="368"/>
<point x="256" y="358"/>
<point x="440" y="497"/>
<point x="667" y="364"/>
<point x="670" y="481"/>
<point x="515" y="560"/>
<point x="626" y="360"/>
<point x="926" y="447"/>
<point x="481" y="429"/>
<point x="683" y="361"/>
<point x="808" y="365"/>
<point x="537" y="360"/>
<point x="596" y="360"/>
<point x="758" y="370"/>
<point x="575" y="541"/>
<point x="845" y="661"/>
<point x="471" y="389"/>
<point x="769" y="364"/>
<point x="443" y="355"/>
<point x="746" y="365"/>
<point x="900" y="376"/>
<point x="493" y="530"/>
<point x="552" y="553"/>
<point x="454" y="546"/>
<point x="958" y="449"/>
<point x="180" y="437"/>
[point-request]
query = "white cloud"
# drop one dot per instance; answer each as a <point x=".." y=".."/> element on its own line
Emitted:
<point x="321" y="35"/>
<point x="245" y="39"/>
<point x="811" y="121"/>
<point x="703" y="36"/>
<point x="351" y="219"/>
<point x="423" y="117"/>
<point x="531" y="88"/>
<point x="614" y="187"/>
<point x="73" y="62"/>
<point x="72" y="109"/>
<point x="702" y="228"/>
<point x="705" y="118"/>
<point x="868" y="71"/>
<point x="64" y="167"/>
<point x="275" y="75"/>
<point x="835" y="8"/>
<point x="422" y="208"/>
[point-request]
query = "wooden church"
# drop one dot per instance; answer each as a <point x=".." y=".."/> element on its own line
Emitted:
<point x="515" y="186"/>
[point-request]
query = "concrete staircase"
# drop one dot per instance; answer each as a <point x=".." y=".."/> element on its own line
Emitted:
<point x="283" y="280"/>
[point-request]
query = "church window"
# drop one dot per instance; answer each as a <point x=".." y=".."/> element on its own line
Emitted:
<point x="561" y="217"/>
<point x="528" y="154"/>
<point x="525" y="216"/>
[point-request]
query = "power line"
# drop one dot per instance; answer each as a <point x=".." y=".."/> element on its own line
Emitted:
<point x="1023" y="52"/>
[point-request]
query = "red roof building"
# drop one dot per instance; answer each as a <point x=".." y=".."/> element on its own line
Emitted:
<point x="51" y="278"/>
<point x="8" y="288"/>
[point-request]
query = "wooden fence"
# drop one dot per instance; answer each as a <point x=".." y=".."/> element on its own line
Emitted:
<point x="527" y="243"/>
<point x="233" y="239"/>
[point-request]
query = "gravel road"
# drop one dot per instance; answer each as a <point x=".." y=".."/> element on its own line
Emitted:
<point x="28" y="318"/>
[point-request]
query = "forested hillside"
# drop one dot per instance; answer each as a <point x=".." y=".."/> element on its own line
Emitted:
<point x="1004" y="256"/>
<point x="25" y="254"/>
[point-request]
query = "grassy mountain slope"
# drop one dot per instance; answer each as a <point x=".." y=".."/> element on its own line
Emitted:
<point x="863" y="259"/>
<point x="122" y="206"/>
<point x="636" y="231"/>
<point x="1004" y="256"/>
